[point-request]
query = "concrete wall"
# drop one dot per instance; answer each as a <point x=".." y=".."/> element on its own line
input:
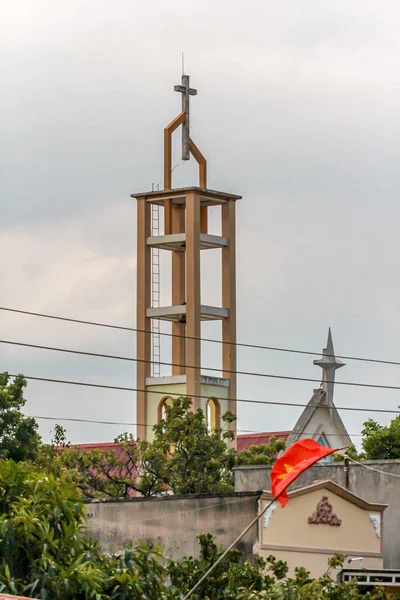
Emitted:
<point x="369" y="485"/>
<point x="174" y="521"/>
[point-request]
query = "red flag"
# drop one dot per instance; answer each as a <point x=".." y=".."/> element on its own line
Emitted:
<point x="289" y="466"/>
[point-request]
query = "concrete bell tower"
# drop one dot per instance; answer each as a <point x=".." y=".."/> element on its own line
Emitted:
<point x="185" y="235"/>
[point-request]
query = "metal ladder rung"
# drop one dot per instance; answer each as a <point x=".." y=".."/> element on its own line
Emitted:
<point x="155" y="291"/>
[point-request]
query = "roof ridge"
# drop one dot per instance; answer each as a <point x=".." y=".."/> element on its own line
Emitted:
<point x="264" y="433"/>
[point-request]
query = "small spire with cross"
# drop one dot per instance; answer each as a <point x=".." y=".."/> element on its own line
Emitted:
<point x="329" y="363"/>
<point x="186" y="92"/>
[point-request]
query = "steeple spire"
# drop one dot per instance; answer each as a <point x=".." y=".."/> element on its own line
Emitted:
<point x="329" y="363"/>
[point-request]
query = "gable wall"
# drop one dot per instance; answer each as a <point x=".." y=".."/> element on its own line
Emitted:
<point x="289" y="526"/>
<point x="369" y="485"/>
<point x="320" y="422"/>
<point x="288" y="535"/>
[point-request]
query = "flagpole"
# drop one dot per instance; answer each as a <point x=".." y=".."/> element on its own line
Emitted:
<point x="194" y="588"/>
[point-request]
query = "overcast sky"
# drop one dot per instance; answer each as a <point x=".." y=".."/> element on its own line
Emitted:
<point x="298" y="110"/>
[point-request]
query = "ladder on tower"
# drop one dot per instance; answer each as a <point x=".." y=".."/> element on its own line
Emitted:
<point x="155" y="292"/>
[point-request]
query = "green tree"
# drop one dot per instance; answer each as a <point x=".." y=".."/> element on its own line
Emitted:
<point x="381" y="441"/>
<point x="263" y="579"/>
<point x="351" y="452"/>
<point x="184" y="457"/>
<point x="19" y="437"/>
<point x="225" y="581"/>
<point x="263" y="454"/>
<point x="46" y="553"/>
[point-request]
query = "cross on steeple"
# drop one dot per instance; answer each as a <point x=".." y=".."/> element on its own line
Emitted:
<point x="329" y="363"/>
<point x="186" y="91"/>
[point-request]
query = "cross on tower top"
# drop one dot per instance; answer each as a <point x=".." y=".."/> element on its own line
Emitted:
<point x="186" y="91"/>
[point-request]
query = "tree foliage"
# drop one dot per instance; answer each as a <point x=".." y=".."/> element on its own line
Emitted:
<point x="189" y="458"/>
<point x="19" y="437"/>
<point x="351" y="452"/>
<point x="46" y="552"/>
<point x="263" y="454"/>
<point x="230" y="576"/>
<point x="184" y="457"/>
<point x="264" y="579"/>
<point x="381" y="441"/>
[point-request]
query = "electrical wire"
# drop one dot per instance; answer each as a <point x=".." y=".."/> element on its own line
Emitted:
<point x="227" y="371"/>
<point x="373" y="469"/>
<point x="211" y="340"/>
<point x="78" y="420"/>
<point x="127" y="424"/>
<point x="248" y="373"/>
<point x="275" y="434"/>
<point x="178" y="164"/>
<point x="170" y="394"/>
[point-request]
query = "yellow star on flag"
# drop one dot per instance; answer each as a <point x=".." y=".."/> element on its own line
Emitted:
<point x="288" y="469"/>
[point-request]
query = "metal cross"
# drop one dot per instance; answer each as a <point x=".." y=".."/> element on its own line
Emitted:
<point x="329" y="363"/>
<point x="186" y="91"/>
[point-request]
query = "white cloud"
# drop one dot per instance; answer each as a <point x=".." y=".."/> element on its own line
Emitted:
<point x="297" y="110"/>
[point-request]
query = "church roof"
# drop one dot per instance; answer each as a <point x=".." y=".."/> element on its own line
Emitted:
<point x="244" y="441"/>
<point x="318" y="399"/>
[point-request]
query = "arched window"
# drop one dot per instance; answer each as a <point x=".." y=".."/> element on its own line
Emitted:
<point x="213" y="415"/>
<point x="166" y="401"/>
<point x="323" y="440"/>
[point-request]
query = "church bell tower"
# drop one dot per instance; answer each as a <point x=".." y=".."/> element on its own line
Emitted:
<point x="185" y="236"/>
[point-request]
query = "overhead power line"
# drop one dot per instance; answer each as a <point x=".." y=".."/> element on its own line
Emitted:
<point x="127" y="424"/>
<point x="96" y="421"/>
<point x="373" y="469"/>
<point x="227" y="371"/>
<point x="170" y="394"/>
<point x="276" y="435"/>
<point x="211" y="340"/>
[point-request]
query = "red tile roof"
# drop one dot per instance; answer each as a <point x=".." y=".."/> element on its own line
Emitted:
<point x="244" y="441"/>
<point x="96" y="446"/>
<point x="118" y="451"/>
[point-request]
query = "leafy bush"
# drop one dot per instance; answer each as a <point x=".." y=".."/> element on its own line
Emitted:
<point x="184" y="457"/>
<point x="45" y="553"/>
<point x="19" y="437"/>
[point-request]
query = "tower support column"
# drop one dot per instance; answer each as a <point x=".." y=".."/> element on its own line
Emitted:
<point x="143" y="324"/>
<point x="178" y="293"/>
<point x="229" y="300"/>
<point x="193" y="304"/>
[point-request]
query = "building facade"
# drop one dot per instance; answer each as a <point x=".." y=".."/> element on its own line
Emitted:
<point x="320" y="520"/>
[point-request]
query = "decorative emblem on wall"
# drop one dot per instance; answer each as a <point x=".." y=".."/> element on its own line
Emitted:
<point x="375" y="519"/>
<point x="324" y="514"/>
<point x="268" y="513"/>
